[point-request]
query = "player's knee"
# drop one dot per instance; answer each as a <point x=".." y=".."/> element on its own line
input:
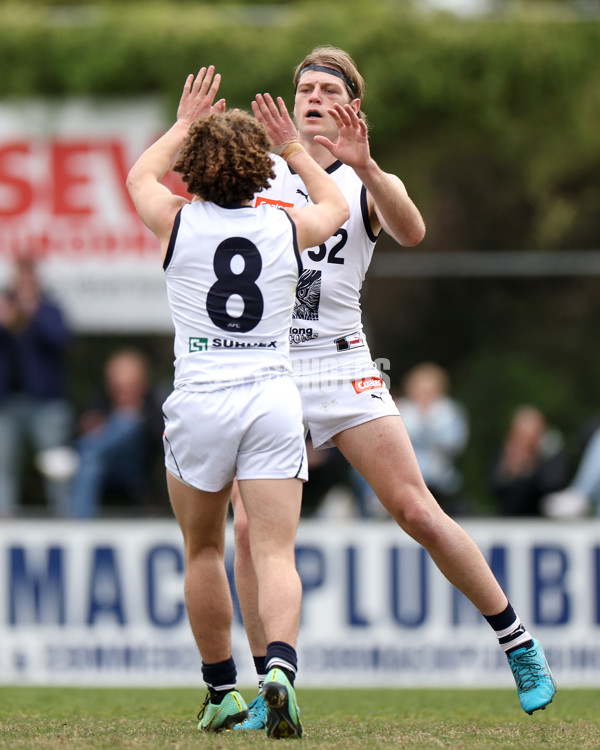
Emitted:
<point x="420" y="516"/>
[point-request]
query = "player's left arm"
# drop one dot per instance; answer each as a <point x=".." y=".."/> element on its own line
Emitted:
<point x="389" y="204"/>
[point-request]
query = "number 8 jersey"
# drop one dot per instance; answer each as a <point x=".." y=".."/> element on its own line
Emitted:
<point x="231" y="275"/>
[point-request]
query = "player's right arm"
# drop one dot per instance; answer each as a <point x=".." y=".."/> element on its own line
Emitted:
<point x="155" y="204"/>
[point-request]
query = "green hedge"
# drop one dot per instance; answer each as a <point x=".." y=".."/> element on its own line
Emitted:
<point x="492" y="124"/>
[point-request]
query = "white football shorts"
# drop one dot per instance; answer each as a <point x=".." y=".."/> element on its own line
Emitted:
<point x="342" y="401"/>
<point x="252" y="431"/>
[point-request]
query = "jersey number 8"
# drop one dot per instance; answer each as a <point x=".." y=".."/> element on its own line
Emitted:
<point x="241" y="284"/>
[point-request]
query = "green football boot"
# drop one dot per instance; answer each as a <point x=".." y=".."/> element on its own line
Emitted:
<point x="215" y="717"/>
<point x="283" y="714"/>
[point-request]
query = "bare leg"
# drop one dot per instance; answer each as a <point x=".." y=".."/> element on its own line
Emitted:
<point x="390" y="467"/>
<point x="273" y="510"/>
<point x="202" y="517"/>
<point x="245" y="577"/>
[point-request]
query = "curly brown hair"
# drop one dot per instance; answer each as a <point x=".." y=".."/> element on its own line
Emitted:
<point x="225" y="158"/>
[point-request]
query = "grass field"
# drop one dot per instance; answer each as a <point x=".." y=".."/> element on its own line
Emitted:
<point x="165" y="718"/>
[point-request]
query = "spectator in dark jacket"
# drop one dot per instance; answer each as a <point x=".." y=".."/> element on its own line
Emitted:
<point x="531" y="464"/>
<point x="34" y="407"/>
<point x="120" y="436"/>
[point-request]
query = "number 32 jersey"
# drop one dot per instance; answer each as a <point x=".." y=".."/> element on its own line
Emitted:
<point x="231" y="275"/>
<point x="327" y="313"/>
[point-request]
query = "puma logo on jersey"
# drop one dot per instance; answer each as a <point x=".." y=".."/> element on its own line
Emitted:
<point x="367" y="384"/>
<point x="304" y="194"/>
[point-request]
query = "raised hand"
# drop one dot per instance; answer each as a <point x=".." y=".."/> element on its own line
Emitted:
<point x="199" y="94"/>
<point x="352" y="144"/>
<point x="276" y="119"/>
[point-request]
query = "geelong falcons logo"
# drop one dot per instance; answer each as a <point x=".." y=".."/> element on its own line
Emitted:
<point x="308" y="295"/>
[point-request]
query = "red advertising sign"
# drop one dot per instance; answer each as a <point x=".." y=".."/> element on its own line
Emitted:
<point x="63" y="168"/>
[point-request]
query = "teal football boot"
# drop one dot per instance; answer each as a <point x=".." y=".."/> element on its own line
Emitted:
<point x="535" y="683"/>
<point x="257" y="714"/>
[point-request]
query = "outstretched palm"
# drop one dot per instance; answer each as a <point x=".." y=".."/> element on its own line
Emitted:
<point x="276" y="119"/>
<point x="199" y="94"/>
<point x="352" y="144"/>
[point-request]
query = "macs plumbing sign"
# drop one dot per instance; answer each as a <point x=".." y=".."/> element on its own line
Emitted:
<point x="102" y="603"/>
<point x="63" y="167"/>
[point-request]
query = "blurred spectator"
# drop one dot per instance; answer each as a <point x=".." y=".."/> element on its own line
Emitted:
<point x="119" y="437"/>
<point x="34" y="409"/>
<point x="438" y="428"/>
<point x="582" y="495"/>
<point x="531" y="463"/>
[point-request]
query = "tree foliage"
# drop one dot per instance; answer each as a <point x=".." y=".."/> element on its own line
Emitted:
<point x="491" y="123"/>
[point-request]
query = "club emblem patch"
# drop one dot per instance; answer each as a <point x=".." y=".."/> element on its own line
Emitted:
<point x="308" y="295"/>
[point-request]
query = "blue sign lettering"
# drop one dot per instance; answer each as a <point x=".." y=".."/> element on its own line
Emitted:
<point x="596" y="582"/>
<point x="354" y="617"/>
<point x="551" y="603"/>
<point x="414" y="588"/>
<point x="161" y="560"/>
<point x="36" y="593"/>
<point x="106" y="594"/>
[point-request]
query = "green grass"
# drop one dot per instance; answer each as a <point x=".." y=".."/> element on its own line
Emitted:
<point x="32" y="717"/>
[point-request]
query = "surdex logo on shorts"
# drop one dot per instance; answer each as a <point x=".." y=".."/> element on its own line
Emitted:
<point x="367" y="384"/>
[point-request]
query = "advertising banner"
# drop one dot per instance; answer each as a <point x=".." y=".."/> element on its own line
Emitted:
<point x="63" y="166"/>
<point x="101" y="603"/>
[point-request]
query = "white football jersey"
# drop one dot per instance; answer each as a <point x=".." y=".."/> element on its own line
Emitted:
<point x="231" y="275"/>
<point x="327" y="312"/>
